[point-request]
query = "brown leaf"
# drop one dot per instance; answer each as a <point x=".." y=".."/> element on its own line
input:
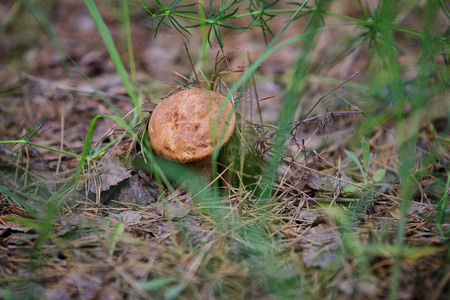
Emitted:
<point x="128" y="217"/>
<point x="321" y="249"/>
<point x="321" y="183"/>
<point x="174" y="210"/>
<point x="111" y="171"/>
<point x="136" y="190"/>
<point x="15" y="227"/>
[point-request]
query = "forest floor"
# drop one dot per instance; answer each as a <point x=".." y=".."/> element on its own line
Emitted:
<point x="330" y="229"/>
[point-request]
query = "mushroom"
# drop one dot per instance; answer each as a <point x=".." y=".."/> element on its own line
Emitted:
<point x="180" y="128"/>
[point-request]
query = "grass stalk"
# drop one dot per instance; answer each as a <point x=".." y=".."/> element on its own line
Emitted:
<point x="55" y="41"/>
<point x="126" y="23"/>
<point x="112" y="49"/>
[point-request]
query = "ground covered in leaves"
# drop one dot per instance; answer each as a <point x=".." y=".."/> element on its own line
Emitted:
<point x="330" y="228"/>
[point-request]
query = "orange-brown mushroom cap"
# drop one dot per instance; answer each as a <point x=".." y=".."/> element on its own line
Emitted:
<point x="180" y="128"/>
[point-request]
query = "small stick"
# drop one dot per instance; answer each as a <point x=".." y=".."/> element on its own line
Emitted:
<point x="326" y="95"/>
<point x="62" y="143"/>
<point x="192" y="64"/>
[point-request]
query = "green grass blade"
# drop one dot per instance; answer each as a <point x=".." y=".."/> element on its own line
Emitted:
<point x="156" y="284"/>
<point x="25" y="142"/>
<point x="366" y="154"/>
<point x="126" y="23"/>
<point x="21" y="202"/>
<point x="442" y="209"/>
<point x="111" y="105"/>
<point x="379" y="175"/>
<point x="86" y="147"/>
<point x="109" y="43"/>
<point x="354" y="159"/>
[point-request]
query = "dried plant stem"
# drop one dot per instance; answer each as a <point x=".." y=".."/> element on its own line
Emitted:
<point x="61" y="143"/>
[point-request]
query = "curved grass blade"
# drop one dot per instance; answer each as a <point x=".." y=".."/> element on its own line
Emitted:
<point x="109" y="43"/>
<point x="111" y="105"/>
<point x="21" y="202"/>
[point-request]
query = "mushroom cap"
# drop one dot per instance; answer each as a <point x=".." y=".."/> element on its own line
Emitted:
<point x="180" y="126"/>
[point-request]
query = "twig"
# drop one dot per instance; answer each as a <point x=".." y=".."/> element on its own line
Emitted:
<point x="323" y="97"/>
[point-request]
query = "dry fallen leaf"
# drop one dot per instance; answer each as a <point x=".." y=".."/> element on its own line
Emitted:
<point x="135" y="190"/>
<point x="321" y="248"/>
<point x="110" y="172"/>
<point x="129" y="218"/>
<point x="13" y="226"/>
<point x="175" y="210"/>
